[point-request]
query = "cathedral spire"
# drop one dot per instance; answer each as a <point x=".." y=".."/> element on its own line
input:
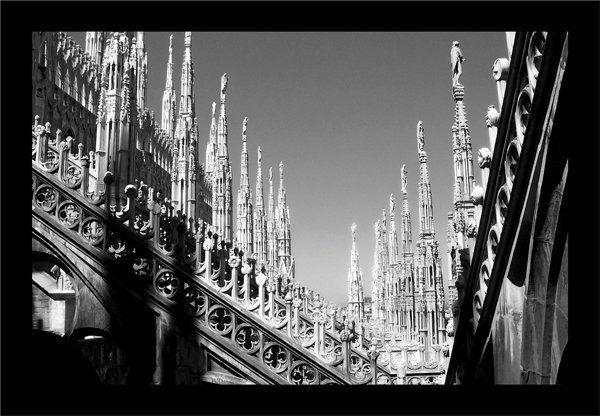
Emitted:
<point x="223" y="178"/>
<point x="186" y="105"/>
<point x="355" y="286"/>
<point x="281" y="198"/>
<point x="283" y="225"/>
<point x="141" y="70"/>
<point x="259" y="184"/>
<point x="245" y="234"/>
<point x="244" y="181"/>
<point x="260" y="224"/>
<point x="169" y="82"/>
<point x="271" y="230"/>
<point x="393" y="235"/>
<point x="169" y="100"/>
<point x="211" y="146"/>
<point x="426" y="226"/>
<point x="461" y="137"/>
<point x="377" y="283"/>
<point x="222" y="133"/>
<point x="406" y="228"/>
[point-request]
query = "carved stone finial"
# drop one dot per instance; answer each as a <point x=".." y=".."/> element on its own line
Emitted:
<point x="420" y="138"/>
<point x="403" y="179"/>
<point x="280" y="171"/>
<point x="244" y="128"/>
<point x="224" y="80"/>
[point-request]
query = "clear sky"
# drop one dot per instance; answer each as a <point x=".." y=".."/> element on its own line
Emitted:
<point x="340" y="110"/>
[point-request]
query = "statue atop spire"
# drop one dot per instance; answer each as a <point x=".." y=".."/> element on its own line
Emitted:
<point x="392" y="204"/>
<point x="420" y="139"/>
<point x="403" y="180"/>
<point x="244" y="128"/>
<point x="188" y="39"/>
<point x="224" y="80"/>
<point x="353" y="228"/>
<point x="259" y="154"/>
<point x="271" y="175"/>
<point x="456" y="60"/>
<point x="281" y="171"/>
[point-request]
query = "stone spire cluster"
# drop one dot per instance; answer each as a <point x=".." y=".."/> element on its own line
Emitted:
<point x="407" y="295"/>
<point x="132" y="147"/>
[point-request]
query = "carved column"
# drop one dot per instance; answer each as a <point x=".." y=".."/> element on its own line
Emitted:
<point x="246" y="270"/>
<point x="260" y="281"/>
<point x="42" y="145"/>
<point x="234" y="262"/>
<point x="131" y="192"/>
<point x="64" y="148"/>
<point x="288" y="310"/>
<point x="108" y="180"/>
<point x="85" y="175"/>
<point x="208" y="248"/>
<point x="346" y="337"/>
<point x="373" y="354"/>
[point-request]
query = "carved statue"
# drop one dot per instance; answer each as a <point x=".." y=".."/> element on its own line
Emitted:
<point x="492" y="116"/>
<point x="456" y="59"/>
<point x="281" y="170"/>
<point x="353" y="228"/>
<point x="377" y="229"/>
<point x="259" y="154"/>
<point x="244" y="128"/>
<point x="403" y="179"/>
<point x="484" y="157"/>
<point x="224" y="80"/>
<point x="271" y="174"/>
<point x="392" y="203"/>
<point x="214" y="109"/>
<point x="420" y="138"/>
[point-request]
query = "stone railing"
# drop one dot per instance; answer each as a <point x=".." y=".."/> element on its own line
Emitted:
<point x="281" y="325"/>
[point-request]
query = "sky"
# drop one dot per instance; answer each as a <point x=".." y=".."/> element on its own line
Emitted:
<point x="340" y="109"/>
